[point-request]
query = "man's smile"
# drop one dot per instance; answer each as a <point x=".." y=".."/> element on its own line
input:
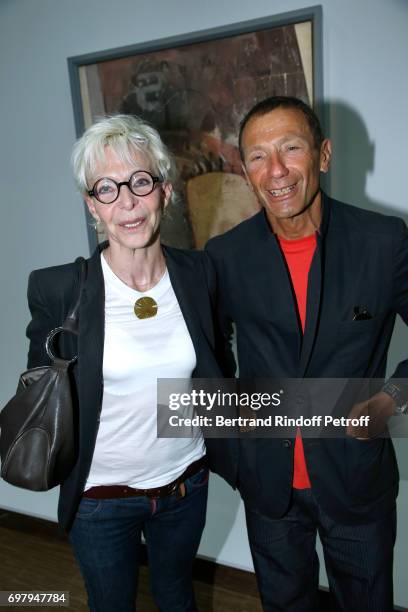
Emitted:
<point x="282" y="191"/>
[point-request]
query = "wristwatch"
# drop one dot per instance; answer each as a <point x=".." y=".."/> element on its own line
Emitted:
<point x="395" y="392"/>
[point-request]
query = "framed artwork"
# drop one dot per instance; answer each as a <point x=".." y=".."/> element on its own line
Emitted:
<point x="195" y="89"/>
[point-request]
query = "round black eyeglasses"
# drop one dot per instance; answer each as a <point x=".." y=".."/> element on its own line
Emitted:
<point x="141" y="183"/>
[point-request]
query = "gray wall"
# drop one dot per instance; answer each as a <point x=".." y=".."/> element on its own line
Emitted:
<point x="366" y="92"/>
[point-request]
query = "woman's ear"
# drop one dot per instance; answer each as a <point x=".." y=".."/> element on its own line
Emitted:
<point x="167" y="191"/>
<point x="91" y="207"/>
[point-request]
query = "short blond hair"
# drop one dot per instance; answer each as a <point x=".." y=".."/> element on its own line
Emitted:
<point x="125" y="135"/>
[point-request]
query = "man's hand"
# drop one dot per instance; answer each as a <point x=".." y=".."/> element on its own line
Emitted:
<point x="380" y="407"/>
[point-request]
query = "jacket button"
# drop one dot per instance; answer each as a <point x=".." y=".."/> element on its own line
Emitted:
<point x="287" y="443"/>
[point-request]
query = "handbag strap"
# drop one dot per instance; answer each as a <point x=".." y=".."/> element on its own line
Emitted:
<point x="71" y="321"/>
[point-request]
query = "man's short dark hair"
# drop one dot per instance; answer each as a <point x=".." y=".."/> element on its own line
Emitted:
<point x="270" y="104"/>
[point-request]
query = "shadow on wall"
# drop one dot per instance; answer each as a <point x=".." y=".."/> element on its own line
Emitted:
<point x="353" y="160"/>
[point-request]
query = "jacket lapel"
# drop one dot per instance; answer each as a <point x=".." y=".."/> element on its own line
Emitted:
<point x="90" y="354"/>
<point x="314" y="291"/>
<point x="312" y="308"/>
<point x="184" y="276"/>
<point x="268" y="250"/>
<point x="277" y="299"/>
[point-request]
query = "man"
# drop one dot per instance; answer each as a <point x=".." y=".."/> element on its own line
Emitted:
<point x="313" y="286"/>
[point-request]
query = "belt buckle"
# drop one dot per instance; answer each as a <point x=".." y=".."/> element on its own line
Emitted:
<point x="173" y="488"/>
<point x="161" y="491"/>
<point x="148" y="493"/>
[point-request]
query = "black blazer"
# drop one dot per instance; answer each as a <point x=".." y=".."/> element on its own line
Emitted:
<point x="50" y="293"/>
<point x="361" y="259"/>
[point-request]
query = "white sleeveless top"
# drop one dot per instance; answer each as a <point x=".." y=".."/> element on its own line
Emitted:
<point x="136" y="353"/>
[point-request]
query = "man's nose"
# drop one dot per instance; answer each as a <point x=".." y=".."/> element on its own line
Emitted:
<point x="276" y="165"/>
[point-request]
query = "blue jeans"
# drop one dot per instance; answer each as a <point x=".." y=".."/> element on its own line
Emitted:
<point x="106" y="539"/>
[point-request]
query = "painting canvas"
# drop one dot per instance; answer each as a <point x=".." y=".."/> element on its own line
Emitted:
<point x="195" y="91"/>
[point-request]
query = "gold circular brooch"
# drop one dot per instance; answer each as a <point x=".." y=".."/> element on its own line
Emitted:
<point x="145" y="308"/>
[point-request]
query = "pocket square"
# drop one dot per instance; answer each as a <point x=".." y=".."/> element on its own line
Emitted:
<point x="360" y="313"/>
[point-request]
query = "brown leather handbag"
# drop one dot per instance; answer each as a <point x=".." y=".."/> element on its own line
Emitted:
<point x="37" y="441"/>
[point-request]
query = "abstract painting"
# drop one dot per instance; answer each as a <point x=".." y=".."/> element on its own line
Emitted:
<point x="195" y="90"/>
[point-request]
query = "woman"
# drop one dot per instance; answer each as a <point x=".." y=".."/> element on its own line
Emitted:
<point x="145" y="314"/>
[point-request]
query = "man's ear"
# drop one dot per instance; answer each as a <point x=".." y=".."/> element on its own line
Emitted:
<point x="325" y="155"/>
<point x="246" y="176"/>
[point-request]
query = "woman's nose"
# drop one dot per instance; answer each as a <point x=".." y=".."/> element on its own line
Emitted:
<point x="126" y="198"/>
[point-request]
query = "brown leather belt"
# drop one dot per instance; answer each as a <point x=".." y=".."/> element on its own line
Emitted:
<point x="115" y="491"/>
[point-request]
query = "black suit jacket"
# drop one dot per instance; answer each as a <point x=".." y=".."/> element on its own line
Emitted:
<point x="50" y="293"/>
<point x="361" y="259"/>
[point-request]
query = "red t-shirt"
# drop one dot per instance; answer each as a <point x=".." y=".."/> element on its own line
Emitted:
<point x="299" y="254"/>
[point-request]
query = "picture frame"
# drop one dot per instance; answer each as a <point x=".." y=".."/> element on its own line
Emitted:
<point x="195" y="89"/>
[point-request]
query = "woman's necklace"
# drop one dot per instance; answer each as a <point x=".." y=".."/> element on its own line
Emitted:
<point x="145" y="307"/>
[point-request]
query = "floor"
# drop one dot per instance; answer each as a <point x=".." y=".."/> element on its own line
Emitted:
<point x="33" y="556"/>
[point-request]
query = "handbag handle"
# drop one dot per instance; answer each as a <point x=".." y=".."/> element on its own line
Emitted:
<point x="71" y="321"/>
